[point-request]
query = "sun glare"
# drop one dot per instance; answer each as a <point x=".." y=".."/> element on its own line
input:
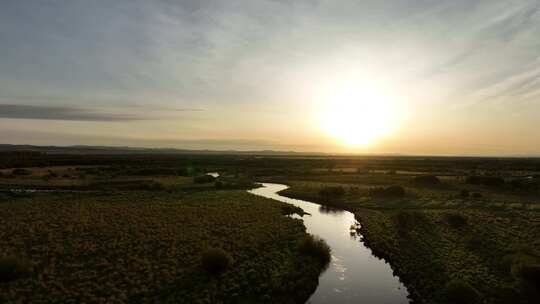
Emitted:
<point x="357" y="115"/>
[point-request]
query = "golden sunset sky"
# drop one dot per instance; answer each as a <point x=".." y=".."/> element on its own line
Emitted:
<point x="408" y="77"/>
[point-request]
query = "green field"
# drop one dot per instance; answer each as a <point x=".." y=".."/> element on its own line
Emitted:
<point x="455" y="230"/>
<point x="147" y="246"/>
<point x="494" y="242"/>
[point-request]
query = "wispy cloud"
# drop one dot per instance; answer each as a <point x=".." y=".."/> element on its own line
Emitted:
<point x="160" y="63"/>
<point x="40" y="112"/>
<point x="62" y="113"/>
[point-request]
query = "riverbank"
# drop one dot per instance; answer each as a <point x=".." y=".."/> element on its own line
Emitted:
<point x="367" y="235"/>
<point x="147" y="246"/>
<point x="431" y="249"/>
<point x="355" y="275"/>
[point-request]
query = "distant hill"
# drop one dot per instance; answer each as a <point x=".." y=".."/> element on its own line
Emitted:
<point x="81" y="149"/>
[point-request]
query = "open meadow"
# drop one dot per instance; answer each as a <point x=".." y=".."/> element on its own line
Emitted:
<point x="157" y="237"/>
<point x="454" y="230"/>
<point x="136" y="228"/>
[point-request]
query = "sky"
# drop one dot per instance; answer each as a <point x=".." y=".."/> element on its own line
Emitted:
<point x="454" y="77"/>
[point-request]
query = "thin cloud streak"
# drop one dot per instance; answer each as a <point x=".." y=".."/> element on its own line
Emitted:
<point x="61" y="113"/>
<point x="255" y="67"/>
<point x="38" y="112"/>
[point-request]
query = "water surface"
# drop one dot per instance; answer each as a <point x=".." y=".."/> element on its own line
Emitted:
<point x="354" y="275"/>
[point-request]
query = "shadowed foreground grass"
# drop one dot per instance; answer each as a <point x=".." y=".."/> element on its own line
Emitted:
<point x="142" y="247"/>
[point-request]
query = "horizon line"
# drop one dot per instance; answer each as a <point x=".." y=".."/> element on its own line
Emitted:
<point x="251" y="151"/>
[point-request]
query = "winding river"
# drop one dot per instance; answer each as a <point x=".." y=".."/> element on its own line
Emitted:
<point x="354" y="275"/>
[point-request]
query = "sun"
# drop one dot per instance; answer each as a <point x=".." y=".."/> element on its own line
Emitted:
<point x="357" y="115"/>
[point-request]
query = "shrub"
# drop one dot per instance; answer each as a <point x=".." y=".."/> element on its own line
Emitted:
<point x="20" y="171"/>
<point x="354" y="190"/>
<point x="477" y="195"/>
<point x="531" y="274"/>
<point x="427" y="180"/>
<point x="203" y="179"/>
<point x="157" y="186"/>
<point x="328" y="193"/>
<point x="216" y="261"/>
<point x="525" y="185"/>
<point x="518" y="183"/>
<point x="490" y="181"/>
<point x="475" y="243"/>
<point x="155" y="171"/>
<point x="388" y="192"/>
<point x="528" y="274"/>
<point x="288" y="209"/>
<point x="146" y="186"/>
<point x="315" y="247"/>
<point x="218" y="184"/>
<point x="408" y="220"/>
<point x="185" y="171"/>
<point x="12" y="268"/>
<point x="460" y="292"/>
<point x="456" y="220"/>
<point x="234" y="183"/>
<point x="395" y="191"/>
<point x="506" y="294"/>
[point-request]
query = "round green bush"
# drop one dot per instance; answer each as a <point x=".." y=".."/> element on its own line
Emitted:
<point x="329" y="193"/>
<point x="12" y="268"/>
<point x="460" y="292"/>
<point x="204" y="179"/>
<point x="219" y="184"/>
<point x="531" y="274"/>
<point x="315" y="247"/>
<point x="216" y="260"/>
<point x="427" y="180"/>
<point x="388" y="192"/>
<point x="490" y="181"/>
<point x="456" y="220"/>
<point x="406" y="221"/>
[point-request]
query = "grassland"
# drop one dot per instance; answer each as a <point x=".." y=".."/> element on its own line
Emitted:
<point x="146" y="247"/>
<point x="495" y="237"/>
<point x="469" y="235"/>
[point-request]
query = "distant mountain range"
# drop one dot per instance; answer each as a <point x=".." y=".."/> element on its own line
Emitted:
<point x="81" y="149"/>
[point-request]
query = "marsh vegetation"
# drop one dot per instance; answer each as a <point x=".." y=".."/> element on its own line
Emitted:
<point x="140" y="224"/>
